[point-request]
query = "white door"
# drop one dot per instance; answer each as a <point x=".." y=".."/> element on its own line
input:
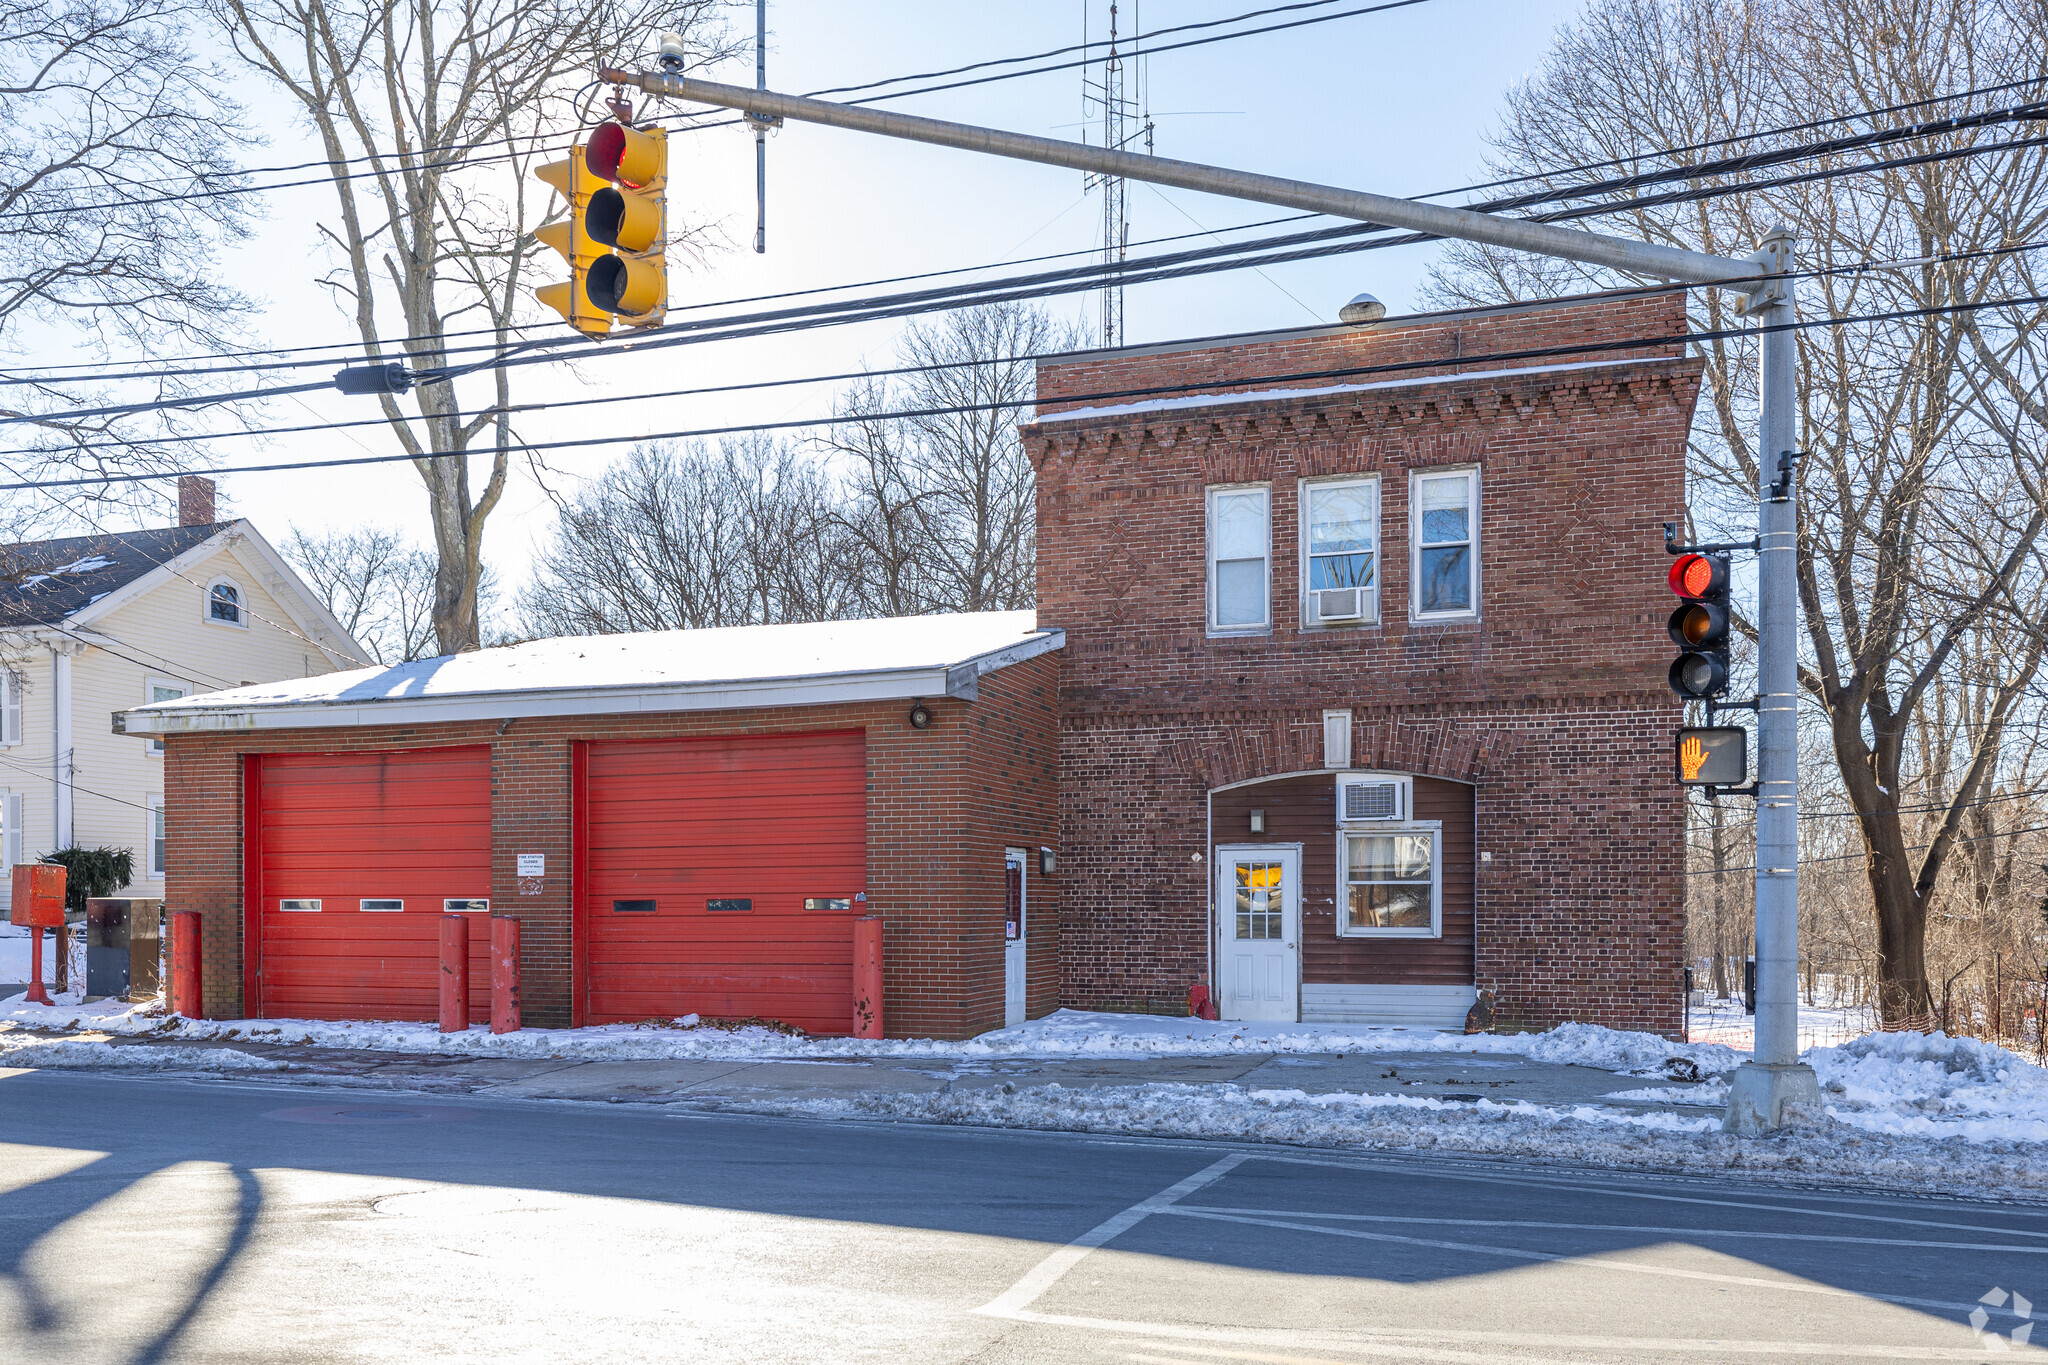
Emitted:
<point x="1258" y="926"/>
<point x="1013" y="937"/>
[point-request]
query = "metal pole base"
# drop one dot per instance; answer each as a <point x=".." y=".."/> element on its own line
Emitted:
<point x="1759" y="1093"/>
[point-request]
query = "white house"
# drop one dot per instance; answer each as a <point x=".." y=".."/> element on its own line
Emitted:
<point x="91" y="625"/>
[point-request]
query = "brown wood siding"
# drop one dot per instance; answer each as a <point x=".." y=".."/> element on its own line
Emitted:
<point x="1303" y="810"/>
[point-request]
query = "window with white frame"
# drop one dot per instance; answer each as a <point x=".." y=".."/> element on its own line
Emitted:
<point x="1240" y="559"/>
<point x="156" y="838"/>
<point x="161" y="689"/>
<point x="224" y="603"/>
<point x="1340" y="551"/>
<point x="1444" y="517"/>
<point x="1393" y="884"/>
<point x="10" y="705"/>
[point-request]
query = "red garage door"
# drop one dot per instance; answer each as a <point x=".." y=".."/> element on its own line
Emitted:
<point x="721" y="876"/>
<point x="354" y="861"/>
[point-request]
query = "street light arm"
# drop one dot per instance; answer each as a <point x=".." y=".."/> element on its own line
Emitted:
<point x="1516" y="234"/>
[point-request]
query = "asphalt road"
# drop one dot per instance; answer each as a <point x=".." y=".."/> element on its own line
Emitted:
<point x="152" y="1220"/>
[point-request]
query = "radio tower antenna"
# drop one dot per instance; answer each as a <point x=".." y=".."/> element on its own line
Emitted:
<point x="1126" y="116"/>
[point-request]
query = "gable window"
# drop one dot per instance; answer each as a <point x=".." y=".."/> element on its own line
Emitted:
<point x="1392" y="883"/>
<point x="1444" y="515"/>
<point x="160" y="689"/>
<point x="156" y="838"/>
<point x="1240" y="561"/>
<point x="224" y="603"/>
<point x="1340" y="551"/>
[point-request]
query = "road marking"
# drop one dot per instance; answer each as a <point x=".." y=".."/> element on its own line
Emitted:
<point x="1523" y="1178"/>
<point x="1517" y="1253"/>
<point x="1617" y="1227"/>
<point x="1047" y="1272"/>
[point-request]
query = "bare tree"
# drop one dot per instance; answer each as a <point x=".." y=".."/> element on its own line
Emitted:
<point x="940" y="504"/>
<point x="401" y="93"/>
<point x="1922" y="499"/>
<point x="377" y="583"/>
<point x="670" y="539"/>
<point x="118" y="134"/>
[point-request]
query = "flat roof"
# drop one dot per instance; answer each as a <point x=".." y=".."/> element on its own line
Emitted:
<point x="654" y="671"/>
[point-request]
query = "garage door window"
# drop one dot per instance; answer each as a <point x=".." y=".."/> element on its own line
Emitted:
<point x="829" y="903"/>
<point x="381" y="904"/>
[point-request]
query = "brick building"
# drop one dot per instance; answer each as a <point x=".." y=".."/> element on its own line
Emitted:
<point x="684" y="822"/>
<point x="1362" y="706"/>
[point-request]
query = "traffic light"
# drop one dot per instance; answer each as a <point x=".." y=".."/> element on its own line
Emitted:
<point x="1700" y="626"/>
<point x="629" y="215"/>
<point x="573" y="181"/>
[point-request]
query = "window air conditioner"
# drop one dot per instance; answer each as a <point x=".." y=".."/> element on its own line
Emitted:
<point x="1369" y="799"/>
<point x="1339" y="604"/>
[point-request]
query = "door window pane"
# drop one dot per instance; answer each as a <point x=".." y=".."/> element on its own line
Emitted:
<point x="1391" y="882"/>
<point x="1260" y="904"/>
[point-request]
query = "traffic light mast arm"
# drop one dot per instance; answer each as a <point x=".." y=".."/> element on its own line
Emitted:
<point x="1672" y="547"/>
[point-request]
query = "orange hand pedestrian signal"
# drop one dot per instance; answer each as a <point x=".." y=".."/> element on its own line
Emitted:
<point x="1713" y="756"/>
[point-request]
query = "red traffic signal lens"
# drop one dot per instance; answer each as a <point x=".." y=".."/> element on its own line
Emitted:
<point x="1698" y="575"/>
<point x="627" y="155"/>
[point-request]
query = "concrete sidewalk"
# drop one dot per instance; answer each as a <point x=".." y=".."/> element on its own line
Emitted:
<point x="743" y="1084"/>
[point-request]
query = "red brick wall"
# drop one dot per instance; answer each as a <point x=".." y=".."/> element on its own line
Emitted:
<point x="939" y="800"/>
<point x="1553" y="703"/>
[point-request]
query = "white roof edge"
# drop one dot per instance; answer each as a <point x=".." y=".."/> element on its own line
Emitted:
<point x="957" y="679"/>
<point x="1211" y="400"/>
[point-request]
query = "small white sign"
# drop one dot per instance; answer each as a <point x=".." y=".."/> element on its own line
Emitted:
<point x="533" y="864"/>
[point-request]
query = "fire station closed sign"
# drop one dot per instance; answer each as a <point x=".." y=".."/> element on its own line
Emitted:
<point x="1713" y="757"/>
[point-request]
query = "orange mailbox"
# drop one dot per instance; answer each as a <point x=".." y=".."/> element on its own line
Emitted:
<point x="38" y="896"/>
<point x="38" y="903"/>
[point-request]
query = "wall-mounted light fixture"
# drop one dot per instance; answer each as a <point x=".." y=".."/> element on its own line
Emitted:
<point x="920" y="717"/>
<point x="1048" y="861"/>
<point x="1258" y="822"/>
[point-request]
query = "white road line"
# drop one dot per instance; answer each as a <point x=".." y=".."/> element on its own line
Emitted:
<point x="1489" y="1348"/>
<point x="1523" y="1178"/>
<point x="1618" y="1227"/>
<point x="1602" y="1262"/>
<point x="1047" y="1272"/>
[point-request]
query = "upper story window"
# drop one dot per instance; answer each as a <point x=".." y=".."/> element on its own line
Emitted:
<point x="1240" y="559"/>
<point x="1444" y="517"/>
<point x="1340" y="551"/>
<point x="160" y="689"/>
<point x="224" y="604"/>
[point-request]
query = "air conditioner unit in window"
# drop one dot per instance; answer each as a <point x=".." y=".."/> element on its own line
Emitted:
<point x="1338" y="604"/>
<point x="1370" y="798"/>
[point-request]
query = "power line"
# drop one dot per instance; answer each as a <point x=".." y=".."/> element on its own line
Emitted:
<point x="1847" y="857"/>
<point x="894" y="371"/>
<point x="1551" y="195"/>
<point x="1537" y="353"/>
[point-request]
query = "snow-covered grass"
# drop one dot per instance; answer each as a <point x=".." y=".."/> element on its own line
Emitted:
<point x="1573" y="1135"/>
<point x="1726" y="1022"/>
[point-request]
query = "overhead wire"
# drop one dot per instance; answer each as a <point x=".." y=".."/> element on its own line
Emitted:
<point x="1179" y="388"/>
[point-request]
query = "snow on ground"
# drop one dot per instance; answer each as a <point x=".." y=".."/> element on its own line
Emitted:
<point x="1575" y="1135"/>
<point x="1969" y="1115"/>
<point x="1728" y="1023"/>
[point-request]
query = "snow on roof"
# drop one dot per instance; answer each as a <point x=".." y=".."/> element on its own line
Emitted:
<point x="1211" y="400"/>
<point x="671" y="670"/>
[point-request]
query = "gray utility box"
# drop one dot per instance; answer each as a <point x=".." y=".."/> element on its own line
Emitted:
<point x="121" y="942"/>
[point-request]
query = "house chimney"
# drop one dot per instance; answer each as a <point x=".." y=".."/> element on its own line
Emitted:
<point x="195" y="500"/>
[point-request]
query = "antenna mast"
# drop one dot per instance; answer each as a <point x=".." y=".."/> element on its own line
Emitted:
<point x="1120" y="111"/>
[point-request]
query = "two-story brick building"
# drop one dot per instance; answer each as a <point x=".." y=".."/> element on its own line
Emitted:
<point x="1344" y="694"/>
<point x="1362" y="707"/>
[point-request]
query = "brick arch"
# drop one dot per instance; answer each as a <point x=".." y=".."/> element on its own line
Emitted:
<point x="1232" y="749"/>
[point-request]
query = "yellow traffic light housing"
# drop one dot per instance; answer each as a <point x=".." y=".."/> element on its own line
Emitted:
<point x="573" y="181"/>
<point x="629" y="214"/>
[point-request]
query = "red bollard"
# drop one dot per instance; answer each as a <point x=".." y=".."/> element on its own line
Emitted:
<point x="454" y="973"/>
<point x="185" y="997"/>
<point x="504" y="974"/>
<point x="867" y="977"/>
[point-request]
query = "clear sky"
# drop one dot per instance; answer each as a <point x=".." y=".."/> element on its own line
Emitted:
<point x="1398" y="103"/>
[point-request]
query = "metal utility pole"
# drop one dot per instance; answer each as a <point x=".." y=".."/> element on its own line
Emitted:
<point x="760" y="129"/>
<point x="1764" y="1086"/>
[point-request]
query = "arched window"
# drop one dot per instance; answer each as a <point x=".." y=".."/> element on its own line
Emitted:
<point x="224" y="603"/>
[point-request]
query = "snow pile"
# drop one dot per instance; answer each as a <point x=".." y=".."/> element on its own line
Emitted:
<point x="25" y="1050"/>
<point x="1932" y="1086"/>
<point x="1577" y="1135"/>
